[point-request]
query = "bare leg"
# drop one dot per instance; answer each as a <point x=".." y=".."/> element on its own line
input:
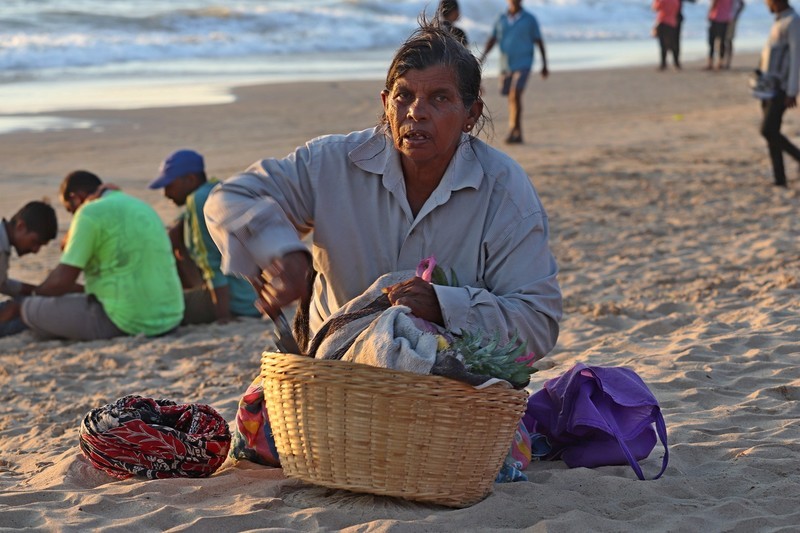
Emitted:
<point x="515" y="115"/>
<point x="188" y="272"/>
<point x="729" y="56"/>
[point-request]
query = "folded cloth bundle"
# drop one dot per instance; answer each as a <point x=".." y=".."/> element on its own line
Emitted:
<point x="155" y="438"/>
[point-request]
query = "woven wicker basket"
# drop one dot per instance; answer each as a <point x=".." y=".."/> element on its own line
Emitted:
<point x="366" y="429"/>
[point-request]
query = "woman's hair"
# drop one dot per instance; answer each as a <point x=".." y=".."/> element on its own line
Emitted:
<point x="433" y="44"/>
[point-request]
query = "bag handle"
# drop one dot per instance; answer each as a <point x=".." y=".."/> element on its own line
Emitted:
<point x="661" y="431"/>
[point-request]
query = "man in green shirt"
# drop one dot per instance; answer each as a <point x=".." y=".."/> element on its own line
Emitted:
<point x="119" y="244"/>
<point x="218" y="297"/>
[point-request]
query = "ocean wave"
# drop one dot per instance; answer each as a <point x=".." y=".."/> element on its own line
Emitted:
<point x="72" y="38"/>
<point x="52" y="34"/>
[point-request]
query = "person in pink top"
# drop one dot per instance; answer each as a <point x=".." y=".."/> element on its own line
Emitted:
<point x="719" y="15"/>
<point x="667" y="30"/>
<point x="736" y="10"/>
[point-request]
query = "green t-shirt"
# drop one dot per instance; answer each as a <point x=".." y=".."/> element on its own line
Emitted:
<point x="120" y="244"/>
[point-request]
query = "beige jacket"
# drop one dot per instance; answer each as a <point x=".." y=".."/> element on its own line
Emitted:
<point x="484" y="220"/>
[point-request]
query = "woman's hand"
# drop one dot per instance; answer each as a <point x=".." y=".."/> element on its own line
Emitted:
<point x="282" y="282"/>
<point x="418" y="295"/>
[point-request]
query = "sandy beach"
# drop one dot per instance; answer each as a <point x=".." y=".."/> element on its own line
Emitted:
<point x="677" y="257"/>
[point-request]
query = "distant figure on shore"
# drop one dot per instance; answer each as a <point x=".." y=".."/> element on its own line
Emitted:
<point x="680" y="26"/>
<point x="29" y="229"/>
<point x="667" y="30"/>
<point x="780" y="59"/>
<point x="450" y="13"/>
<point x="210" y="295"/>
<point x="719" y="16"/>
<point x="119" y="244"/>
<point x="736" y="10"/>
<point x="517" y="31"/>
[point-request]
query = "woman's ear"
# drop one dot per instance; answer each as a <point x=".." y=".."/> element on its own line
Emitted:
<point x="473" y="115"/>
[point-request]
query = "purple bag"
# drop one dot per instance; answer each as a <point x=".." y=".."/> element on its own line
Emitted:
<point x="597" y="416"/>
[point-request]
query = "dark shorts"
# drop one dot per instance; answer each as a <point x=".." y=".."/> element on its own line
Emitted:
<point x="516" y="79"/>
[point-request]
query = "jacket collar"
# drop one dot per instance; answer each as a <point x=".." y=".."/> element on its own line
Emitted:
<point x="378" y="156"/>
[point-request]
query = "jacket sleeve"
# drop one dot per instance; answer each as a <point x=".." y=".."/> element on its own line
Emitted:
<point x="522" y="296"/>
<point x="258" y="216"/>
<point x="517" y="291"/>
<point x="794" y="57"/>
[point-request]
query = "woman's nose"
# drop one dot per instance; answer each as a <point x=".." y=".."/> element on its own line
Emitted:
<point x="418" y="109"/>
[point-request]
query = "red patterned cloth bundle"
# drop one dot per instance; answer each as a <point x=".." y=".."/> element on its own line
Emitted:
<point x="155" y="438"/>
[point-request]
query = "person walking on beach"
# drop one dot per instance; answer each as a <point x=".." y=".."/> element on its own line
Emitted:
<point x="780" y="59"/>
<point x="517" y="31"/>
<point x="219" y="297"/>
<point x="32" y="227"/>
<point x="119" y="244"/>
<point x="719" y="16"/>
<point x="667" y="30"/>
<point x="736" y="10"/>
<point x="450" y="13"/>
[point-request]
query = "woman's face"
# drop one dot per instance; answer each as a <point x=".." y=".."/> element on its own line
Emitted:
<point x="427" y="116"/>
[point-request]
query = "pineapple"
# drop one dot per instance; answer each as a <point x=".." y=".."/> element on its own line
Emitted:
<point x="508" y="362"/>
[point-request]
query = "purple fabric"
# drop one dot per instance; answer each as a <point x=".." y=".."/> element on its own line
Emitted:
<point x="595" y="416"/>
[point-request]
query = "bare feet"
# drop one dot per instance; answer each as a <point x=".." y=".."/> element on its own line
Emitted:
<point x="9" y="311"/>
<point x="514" y="137"/>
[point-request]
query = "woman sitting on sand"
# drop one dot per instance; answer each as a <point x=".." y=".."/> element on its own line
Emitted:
<point x="380" y="200"/>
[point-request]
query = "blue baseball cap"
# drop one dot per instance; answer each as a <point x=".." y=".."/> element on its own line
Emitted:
<point x="176" y="165"/>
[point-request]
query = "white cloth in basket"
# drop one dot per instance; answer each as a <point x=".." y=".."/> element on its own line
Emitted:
<point x="393" y="341"/>
<point x="370" y="331"/>
<point x="381" y="335"/>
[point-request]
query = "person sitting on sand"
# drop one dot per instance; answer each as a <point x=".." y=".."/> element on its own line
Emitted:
<point x="119" y="244"/>
<point x="29" y="229"/>
<point x="218" y="297"/>
<point x="380" y="200"/>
